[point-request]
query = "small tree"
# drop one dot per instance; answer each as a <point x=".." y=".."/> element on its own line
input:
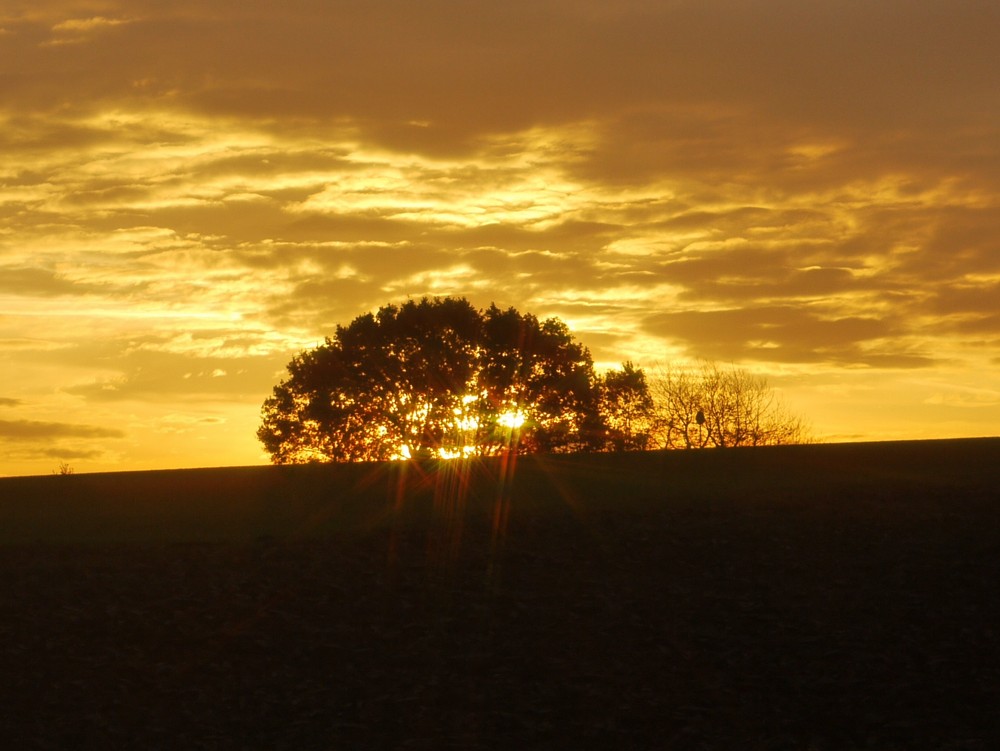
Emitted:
<point x="677" y="396"/>
<point x="714" y="406"/>
<point x="628" y="409"/>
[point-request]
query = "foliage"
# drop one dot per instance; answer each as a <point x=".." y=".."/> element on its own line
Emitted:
<point x="628" y="409"/>
<point x="715" y="406"/>
<point x="435" y="377"/>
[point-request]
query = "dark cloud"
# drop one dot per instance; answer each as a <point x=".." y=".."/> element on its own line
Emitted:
<point x="480" y="66"/>
<point x="322" y="304"/>
<point x="785" y="334"/>
<point x="64" y="453"/>
<point x="981" y="324"/>
<point x="8" y="402"/>
<point x="40" y="282"/>
<point x="32" y="134"/>
<point x="969" y="297"/>
<point x="783" y="283"/>
<point x="351" y="228"/>
<point x="35" y="454"/>
<point x="542" y="269"/>
<point x="963" y="241"/>
<point x="34" y="430"/>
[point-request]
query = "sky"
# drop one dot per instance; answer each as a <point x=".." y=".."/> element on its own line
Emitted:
<point x="193" y="191"/>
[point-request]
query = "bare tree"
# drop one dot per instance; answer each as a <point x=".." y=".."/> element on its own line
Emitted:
<point x="720" y="406"/>
<point x="678" y="399"/>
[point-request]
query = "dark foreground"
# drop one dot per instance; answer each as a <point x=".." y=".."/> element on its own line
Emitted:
<point x="827" y="597"/>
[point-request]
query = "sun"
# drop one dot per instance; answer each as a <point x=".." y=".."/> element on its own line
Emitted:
<point x="467" y="426"/>
<point x="513" y="419"/>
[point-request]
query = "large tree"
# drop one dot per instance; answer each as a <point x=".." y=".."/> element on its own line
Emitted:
<point x="711" y="405"/>
<point x="435" y="377"/>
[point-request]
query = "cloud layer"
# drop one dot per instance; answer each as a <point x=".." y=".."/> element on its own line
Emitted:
<point x="192" y="192"/>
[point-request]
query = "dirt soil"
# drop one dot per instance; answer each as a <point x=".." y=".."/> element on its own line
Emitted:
<point x="785" y="619"/>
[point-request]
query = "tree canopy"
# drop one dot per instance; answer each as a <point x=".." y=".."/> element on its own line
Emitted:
<point x="436" y="378"/>
<point x="628" y="409"/>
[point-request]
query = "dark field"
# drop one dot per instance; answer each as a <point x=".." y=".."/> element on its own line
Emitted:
<point x="817" y="597"/>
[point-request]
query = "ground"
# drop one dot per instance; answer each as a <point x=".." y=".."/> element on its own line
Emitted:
<point x="754" y="600"/>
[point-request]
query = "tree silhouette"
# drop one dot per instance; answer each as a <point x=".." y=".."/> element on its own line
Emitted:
<point x="439" y="378"/>
<point x="628" y="409"/>
<point x="715" y="406"/>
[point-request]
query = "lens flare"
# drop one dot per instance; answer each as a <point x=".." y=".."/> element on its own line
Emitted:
<point x="512" y="420"/>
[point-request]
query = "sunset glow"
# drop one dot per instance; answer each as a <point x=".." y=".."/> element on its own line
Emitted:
<point x="512" y="420"/>
<point x="193" y="192"/>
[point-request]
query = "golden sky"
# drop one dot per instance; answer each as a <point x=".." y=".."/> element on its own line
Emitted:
<point x="192" y="191"/>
